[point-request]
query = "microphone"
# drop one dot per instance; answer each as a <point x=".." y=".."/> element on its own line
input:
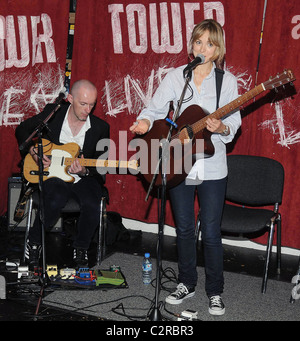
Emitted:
<point x="191" y="66"/>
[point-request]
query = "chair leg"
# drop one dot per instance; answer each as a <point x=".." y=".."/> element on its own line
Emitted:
<point x="101" y="235"/>
<point x="28" y="224"/>
<point x="268" y="256"/>
<point x="278" y="244"/>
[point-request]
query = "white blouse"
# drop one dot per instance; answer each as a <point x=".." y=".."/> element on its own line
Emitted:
<point x="171" y="88"/>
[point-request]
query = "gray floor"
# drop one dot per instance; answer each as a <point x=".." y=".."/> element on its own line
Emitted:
<point x="21" y="302"/>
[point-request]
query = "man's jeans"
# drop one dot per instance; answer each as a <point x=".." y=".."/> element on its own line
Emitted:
<point x="87" y="192"/>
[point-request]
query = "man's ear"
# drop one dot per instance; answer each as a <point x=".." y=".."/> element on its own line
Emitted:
<point x="70" y="98"/>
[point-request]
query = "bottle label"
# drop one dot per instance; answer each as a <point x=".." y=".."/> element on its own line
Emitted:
<point x="147" y="267"/>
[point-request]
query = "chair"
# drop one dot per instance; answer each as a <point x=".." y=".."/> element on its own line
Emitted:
<point x="254" y="183"/>
<point x="72" y="207"/>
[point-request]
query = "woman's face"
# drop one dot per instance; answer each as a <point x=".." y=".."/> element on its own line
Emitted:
<point x="204" y="46"/>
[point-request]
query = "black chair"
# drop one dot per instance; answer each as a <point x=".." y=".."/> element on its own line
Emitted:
<point x="254" y="183"/>
<point x="72" y="207"/>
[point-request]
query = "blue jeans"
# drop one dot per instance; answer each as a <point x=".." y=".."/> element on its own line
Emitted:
<point x="211" y="196"/>
<point x="87" y="192"/>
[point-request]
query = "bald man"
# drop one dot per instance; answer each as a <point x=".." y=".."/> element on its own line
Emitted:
<point x="73" y="122"/>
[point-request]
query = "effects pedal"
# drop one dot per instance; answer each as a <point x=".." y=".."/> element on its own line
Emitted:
<point x="188" y="315"/>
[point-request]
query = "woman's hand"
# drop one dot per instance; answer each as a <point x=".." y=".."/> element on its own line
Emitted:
<point x="215" y="126"/>
<point x="140" y="127"/>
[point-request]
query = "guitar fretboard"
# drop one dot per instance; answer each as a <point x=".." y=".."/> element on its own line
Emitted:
<point x="98" y="163"/>
<point x="221" y="112"/>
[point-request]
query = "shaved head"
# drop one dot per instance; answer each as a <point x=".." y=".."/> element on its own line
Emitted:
<point x="82" y="84"/>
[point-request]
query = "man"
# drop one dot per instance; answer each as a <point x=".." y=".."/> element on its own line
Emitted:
<point x="72" y="122"/>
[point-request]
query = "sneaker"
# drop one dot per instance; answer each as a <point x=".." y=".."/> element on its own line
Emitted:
<point x="182" y="292"/>
<point x="80" y="258"/>
<point x="216" y="305"/>
<point x="32" y="254"/>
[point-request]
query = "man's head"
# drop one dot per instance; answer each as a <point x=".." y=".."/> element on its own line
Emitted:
<point x="83" y="97"/>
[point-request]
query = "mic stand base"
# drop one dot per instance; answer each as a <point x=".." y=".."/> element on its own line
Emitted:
<point x="44" y="282"/>
<point x="155" y="315"/>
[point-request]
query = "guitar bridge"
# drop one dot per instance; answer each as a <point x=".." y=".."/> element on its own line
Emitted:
<point x="34" y="172"/>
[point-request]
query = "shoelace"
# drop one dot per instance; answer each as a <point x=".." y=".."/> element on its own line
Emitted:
<point x="33" y="251"/>
<point x="181" y="289"/>
<point x="216" y="301"/>
<point x="79" y="253"/>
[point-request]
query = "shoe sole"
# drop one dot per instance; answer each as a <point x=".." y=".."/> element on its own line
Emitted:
<point x="174" y="301"/>
<point x="216" y="312"/>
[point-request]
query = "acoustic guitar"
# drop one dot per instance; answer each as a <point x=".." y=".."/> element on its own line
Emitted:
<point x="192" y="126"/>
<point x="62" y="157"/>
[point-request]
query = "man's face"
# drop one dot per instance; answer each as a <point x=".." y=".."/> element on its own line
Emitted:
<point x="83" y="101"/>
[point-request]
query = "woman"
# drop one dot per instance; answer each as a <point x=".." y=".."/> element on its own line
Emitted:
<point x="207" y="39"/>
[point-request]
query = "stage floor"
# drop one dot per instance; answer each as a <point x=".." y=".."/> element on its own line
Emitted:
<point x="20" y="303"/>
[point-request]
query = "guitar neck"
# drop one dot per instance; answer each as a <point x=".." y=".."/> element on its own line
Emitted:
<point x="98" y="163"/>
<point x="221" y="112"/>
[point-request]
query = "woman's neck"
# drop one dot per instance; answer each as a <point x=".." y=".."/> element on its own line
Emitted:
<point x="200" y="73"/>
<point x="203" y="70"/>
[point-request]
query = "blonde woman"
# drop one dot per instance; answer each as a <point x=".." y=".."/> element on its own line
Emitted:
<point x="207" y="178"/>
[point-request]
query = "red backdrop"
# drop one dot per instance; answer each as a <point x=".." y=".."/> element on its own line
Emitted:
<point x="33" y="43"/>
<point x="126" y="47"/>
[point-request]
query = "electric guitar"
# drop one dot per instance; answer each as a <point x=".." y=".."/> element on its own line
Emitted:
<point x="191" y="126"/>
<point x="62" y="157"/>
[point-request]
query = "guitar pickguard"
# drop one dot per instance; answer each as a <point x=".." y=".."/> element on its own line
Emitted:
<point x="57" y="167"/>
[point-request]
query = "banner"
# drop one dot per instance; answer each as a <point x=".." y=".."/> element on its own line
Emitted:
<point x="33" y="44"/>
<point x="126" y="48"/>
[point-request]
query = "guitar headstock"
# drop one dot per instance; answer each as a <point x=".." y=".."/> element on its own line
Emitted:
<point x="280" y="79"/>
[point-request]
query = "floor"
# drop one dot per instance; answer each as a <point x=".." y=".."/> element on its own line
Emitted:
<point x="22" y="300"/>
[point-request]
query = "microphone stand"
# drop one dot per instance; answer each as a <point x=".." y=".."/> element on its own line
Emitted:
<point x="38" y="131"/>
<point x="155" y="314"/>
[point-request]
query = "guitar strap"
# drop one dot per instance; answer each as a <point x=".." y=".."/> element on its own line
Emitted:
<point x="219" y="80"/>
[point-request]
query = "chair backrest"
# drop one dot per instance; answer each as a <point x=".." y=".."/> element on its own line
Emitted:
<point x="254" y="180"/>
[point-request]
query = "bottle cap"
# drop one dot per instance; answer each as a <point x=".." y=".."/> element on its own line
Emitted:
<point x="147" y="255"/>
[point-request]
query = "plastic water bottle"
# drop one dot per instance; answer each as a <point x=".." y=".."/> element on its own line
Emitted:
<point x="147" y="269"/>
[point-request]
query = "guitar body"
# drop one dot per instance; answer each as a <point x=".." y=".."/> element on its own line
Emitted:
<point x="57" y="154"/>
<point x="183" y="147"/>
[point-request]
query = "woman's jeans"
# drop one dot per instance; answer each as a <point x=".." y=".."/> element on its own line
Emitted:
<point x="87" y="192"/>
<point x="211" y="196"/>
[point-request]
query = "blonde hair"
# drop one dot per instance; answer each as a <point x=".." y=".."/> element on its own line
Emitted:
<point x="216" y="37"/>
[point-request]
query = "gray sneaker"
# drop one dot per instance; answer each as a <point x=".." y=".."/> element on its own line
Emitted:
<point x="216" y="305"/>
<point x="182" y="292"/>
